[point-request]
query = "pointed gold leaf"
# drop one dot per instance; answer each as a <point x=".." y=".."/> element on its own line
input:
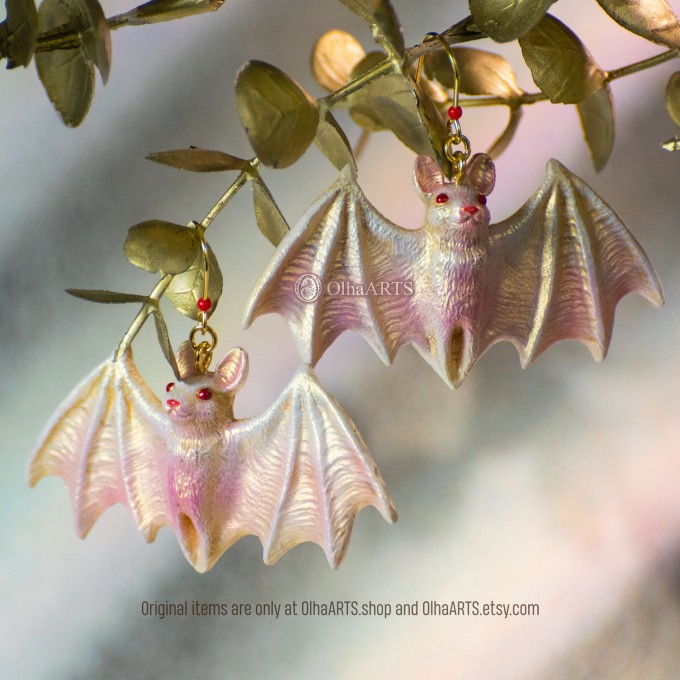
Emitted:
<point x="164" y="341"/>
<point x="186" y="288"/>
<point x="560" y="64"/>
<point x="651" y="19"/>
<point x="106" y="296"/>
<point x="504" y="21"/>
<point x="158" y="246"/>
<point x="269" y="219"/>
<point x="332" y="141"/>
<point x="199" y="160"/>
<point x="597" y="120"/>
<point x="156" y="11"/>
<point x="279" y="117"/>
<point x="673" y="97"/>
<point x="334" y="56"/>
<point x="22" y="31"/>
<point x="673" y="144"/>
<point x="384" y="23"/>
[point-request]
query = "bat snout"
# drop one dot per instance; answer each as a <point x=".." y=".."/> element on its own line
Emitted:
<point x="470" y="209"/>
<point x="172" y="404"/>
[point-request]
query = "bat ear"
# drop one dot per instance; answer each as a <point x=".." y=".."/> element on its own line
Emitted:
<point x="185" y="360"/>
<point x="481" y="173"/>
<point x="427" y="175"/>
<point x="232" y="370"/>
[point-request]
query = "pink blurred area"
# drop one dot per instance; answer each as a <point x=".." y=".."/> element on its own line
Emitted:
<point x="557" y="485"/>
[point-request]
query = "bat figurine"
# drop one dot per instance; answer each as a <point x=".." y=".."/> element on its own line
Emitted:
<point x="298" y="472"/>
<point x="554" y="270"/>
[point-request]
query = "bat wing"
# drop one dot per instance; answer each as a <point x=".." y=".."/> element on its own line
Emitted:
<point x="351" y="250"/>
<point x="298" y="472"/>
<point x="557" y="269"/>
<point x="106" y="442"/>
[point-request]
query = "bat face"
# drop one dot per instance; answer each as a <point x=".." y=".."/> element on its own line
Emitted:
<point x="198" y="401"/>
<point x="453" y="208"/>
<point x="204" y="400"/>
<point x="455" y="212"/>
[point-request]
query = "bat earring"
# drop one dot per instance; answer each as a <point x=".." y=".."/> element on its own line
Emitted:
<point x="297" y="472"/>
<point x="554" y="270"/>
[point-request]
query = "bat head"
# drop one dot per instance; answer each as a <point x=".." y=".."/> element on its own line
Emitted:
<point x="202" y="400"/>
<point x="455" y="206"/>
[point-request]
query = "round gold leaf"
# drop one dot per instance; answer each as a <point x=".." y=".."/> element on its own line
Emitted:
<point x="186" y="288"/>
<point x="158" y="246"/>
<point x="651" y="19"/>
<point x="334" y="56"/>
<point x="504" y="21"/>
<point x="560" y="64"/>
<point x="481" y="72"/>
<point x="673" y="97"/>
<point x="279" y="117"/>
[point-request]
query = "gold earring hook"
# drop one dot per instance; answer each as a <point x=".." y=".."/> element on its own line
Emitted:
<point x="203" y="350"/>
<point x="456" y="137"/>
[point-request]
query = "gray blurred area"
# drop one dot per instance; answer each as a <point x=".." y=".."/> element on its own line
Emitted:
<point x="555" y="486"/>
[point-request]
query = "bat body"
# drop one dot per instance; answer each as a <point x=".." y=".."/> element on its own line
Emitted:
<point x="297" y="472"/>
<point x="554" y="270"/>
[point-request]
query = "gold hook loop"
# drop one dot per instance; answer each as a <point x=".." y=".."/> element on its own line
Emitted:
<point x="457" y="157"/>
<point x="452" y="60"/>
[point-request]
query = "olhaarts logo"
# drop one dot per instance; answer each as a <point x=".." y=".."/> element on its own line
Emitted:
<point x="308" y="288"/>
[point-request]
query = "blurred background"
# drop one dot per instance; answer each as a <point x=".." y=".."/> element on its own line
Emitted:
<point x="557" y="485"/>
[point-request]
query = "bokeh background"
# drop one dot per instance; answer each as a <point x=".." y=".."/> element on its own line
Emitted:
<point x="557" y="485"/>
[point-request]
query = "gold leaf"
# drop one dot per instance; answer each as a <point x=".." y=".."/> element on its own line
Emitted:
<point x="22" y="29"/>
<point x="158" y="246"/>
<point x="334" y="56"/>
<point x="279" y="117"/>
<point x="106" y="296"/>
<point x="673" y="144"/>
<point x="94" y="33"/>
<point x="68" y="74"/>
<point x="199" y="160"/>
<point x="269" y="219"/>
<point x="164" y="341"/>
<point x="481" y="72"/>
<point x="673" y="97"/>
<point x="186" y="288"/>
<point x="384" y="23"/>
<point x="364" y="116"/>
<point x="332" y="141"/>
<point x="504" y="139"/>
<point x="396" y="102"/>
<point x="560" y="64"/>
<point x="651" y="19"/>
<point x="504" y="21"/>
<point x="156" y="11"/>
<point x="597" y="120"/>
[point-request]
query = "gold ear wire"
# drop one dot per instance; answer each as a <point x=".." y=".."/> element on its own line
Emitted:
<point x="203" y="350"/>
<point x="456" y="137"/>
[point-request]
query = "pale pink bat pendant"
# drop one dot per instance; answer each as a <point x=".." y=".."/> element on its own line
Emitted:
<point x="556" y="269"/>
<point x="298" y="472"/>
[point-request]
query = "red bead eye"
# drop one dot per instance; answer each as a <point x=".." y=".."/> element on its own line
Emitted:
<point x="204" y="393"/>
<point x="482" y="199"/>
<point x="442" y="198"/>
<point x="169" y="386"/>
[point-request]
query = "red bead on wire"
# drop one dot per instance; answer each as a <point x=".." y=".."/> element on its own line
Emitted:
<point x="455" y="112"/>
<point x="204" y="304"/>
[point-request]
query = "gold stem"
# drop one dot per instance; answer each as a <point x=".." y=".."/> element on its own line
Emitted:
<point x="162" y="285"/>
<point x="641" y="65"/>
